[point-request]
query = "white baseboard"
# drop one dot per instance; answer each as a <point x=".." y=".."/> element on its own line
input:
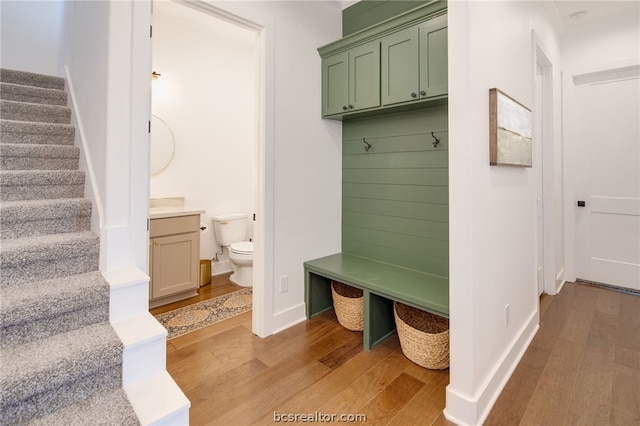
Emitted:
<point x="560" y="280"/>
<point x="288" y="318"/>
<point x="473" y="410"/>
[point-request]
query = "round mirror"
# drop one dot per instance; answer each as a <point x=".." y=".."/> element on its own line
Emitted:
<point x="163" y="145"/>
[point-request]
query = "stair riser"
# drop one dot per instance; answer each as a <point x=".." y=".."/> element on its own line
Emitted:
<point x="17" y="97"/>
<point x="23" y="132"/>
<point x="53" y="399"/>
<point x="16" y="93"/>
<point x="35" y="192"/>
<point x="35" y="113"/>
<point x="34" y="329"/>
<point x="44" y="227"/>
<point x="46" y="269"/>
<point x="31" y="163"/>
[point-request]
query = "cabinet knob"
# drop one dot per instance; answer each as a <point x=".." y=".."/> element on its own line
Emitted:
<point x="350" y="106"/>
<point x="344" y="108"/>
<point x="423" y="93"/>
<point x="157" y="242"/>
<point x="414" y="95"/>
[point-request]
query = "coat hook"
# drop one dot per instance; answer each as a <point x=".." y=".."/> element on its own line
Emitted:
<point x="368" y="145"/>
<point x="436" y="141"/>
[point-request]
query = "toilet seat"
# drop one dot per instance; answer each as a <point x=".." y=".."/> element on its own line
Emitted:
<point x="243" y="247"/>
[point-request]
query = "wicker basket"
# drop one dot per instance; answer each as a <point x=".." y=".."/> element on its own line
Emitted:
<point x="349" y="305"/>
<point x="424" y="337"/>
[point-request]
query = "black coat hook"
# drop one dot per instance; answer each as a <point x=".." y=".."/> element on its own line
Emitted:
<point x="368" y="145"/>
<point x="436" y="141"/>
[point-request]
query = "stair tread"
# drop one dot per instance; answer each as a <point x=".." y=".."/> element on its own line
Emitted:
<point x="48" y="298"/>
<point x="31" y="79"/>
<point x="45" y="364"/>
<point x="107" y="408"/>
<point x="41" y="177"/>
<point x="11" y="211"/>
<point x="39" y="150"/>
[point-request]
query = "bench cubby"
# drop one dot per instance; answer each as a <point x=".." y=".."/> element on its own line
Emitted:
<point x="381" y="283"/>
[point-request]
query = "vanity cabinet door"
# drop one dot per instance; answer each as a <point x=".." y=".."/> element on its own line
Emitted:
<point x="173" y="268"/>
<point x="433" y="58"/>
<point x="174" y="256"/>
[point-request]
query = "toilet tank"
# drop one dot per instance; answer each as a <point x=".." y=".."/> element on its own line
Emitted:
<point x="230" y="228"/>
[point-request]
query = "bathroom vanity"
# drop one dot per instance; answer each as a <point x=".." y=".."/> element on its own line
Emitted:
<point x="174" y="253"/>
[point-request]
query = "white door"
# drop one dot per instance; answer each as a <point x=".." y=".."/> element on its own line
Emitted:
<point x="602" y="120"/>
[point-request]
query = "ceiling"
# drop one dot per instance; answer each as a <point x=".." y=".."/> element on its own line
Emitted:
<point x="574" y="13"/>
<point x="571" y="13"/>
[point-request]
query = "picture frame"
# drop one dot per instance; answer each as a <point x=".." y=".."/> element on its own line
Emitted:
<point x="510" y="131"/>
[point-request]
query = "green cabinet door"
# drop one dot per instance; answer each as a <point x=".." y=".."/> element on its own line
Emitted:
<point x="399" y="63"/>
<point x="433" y="58"/>
<point x="335" y="83"/>
<point x="351" y="80"/>
<point x="364" y="76"/>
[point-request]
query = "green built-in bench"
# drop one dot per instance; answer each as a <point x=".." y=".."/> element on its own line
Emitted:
<point x="381" y="284"/>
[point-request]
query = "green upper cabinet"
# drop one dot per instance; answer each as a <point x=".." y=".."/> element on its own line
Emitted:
<point x="433" y="58"/>
<point x="414" y="63"/>
<point x="397" y="65"/>
<point x="351" y="80"/>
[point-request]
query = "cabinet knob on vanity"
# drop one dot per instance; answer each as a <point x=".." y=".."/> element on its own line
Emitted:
<point x="350" y="106"/>
<point x="414" y="95"/>
<point x="423" y="93"/>
<point x="344" y="108"/>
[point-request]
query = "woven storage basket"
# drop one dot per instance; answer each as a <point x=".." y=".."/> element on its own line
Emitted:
<point x="349" y="305"/>
<point x="424" y="337"/>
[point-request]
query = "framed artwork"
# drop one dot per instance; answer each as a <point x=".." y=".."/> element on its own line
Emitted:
<point x="510" y="142"/>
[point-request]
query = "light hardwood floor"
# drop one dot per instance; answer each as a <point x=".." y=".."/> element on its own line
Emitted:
<point x="583" y="365"/>
<point x="582" y="368"/>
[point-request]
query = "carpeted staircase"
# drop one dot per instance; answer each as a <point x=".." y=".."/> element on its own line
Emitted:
<point x="60" y="358"/>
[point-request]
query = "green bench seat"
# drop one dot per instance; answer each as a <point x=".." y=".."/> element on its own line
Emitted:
<point x="381" y="283"/>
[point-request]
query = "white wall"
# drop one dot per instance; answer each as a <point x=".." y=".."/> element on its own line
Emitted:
<point x="492" y="209"/>
<point x="31" y="36"/>
<point x="207" y="96"/>
<point x="106" y="54"/>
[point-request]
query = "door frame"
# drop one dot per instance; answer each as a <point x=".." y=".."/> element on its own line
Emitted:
<point x="543" y="113"/>
<point x="262" y="306"/>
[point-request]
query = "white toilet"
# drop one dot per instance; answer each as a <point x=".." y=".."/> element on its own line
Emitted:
<point x="231" y="232"/>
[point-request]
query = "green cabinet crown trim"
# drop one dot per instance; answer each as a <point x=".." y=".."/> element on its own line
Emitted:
<point x="410" y="18"/>
<point x="367" y="13"/>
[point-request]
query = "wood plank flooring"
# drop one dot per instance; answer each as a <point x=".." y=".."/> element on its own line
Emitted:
<point x="583" y="365"/>
<point x="582" y="368"/>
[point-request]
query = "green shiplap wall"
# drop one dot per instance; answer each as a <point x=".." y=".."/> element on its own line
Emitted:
<point x="395" y="197"/>
<point x="366" y="13"/>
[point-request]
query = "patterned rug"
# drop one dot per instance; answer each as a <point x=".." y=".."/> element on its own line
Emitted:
<point x="194" y="317"/>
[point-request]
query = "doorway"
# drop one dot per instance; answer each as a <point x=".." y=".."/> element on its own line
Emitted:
<point x="208" y="93"/>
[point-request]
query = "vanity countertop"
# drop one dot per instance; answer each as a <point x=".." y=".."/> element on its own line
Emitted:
<point x="173" y="211"/>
